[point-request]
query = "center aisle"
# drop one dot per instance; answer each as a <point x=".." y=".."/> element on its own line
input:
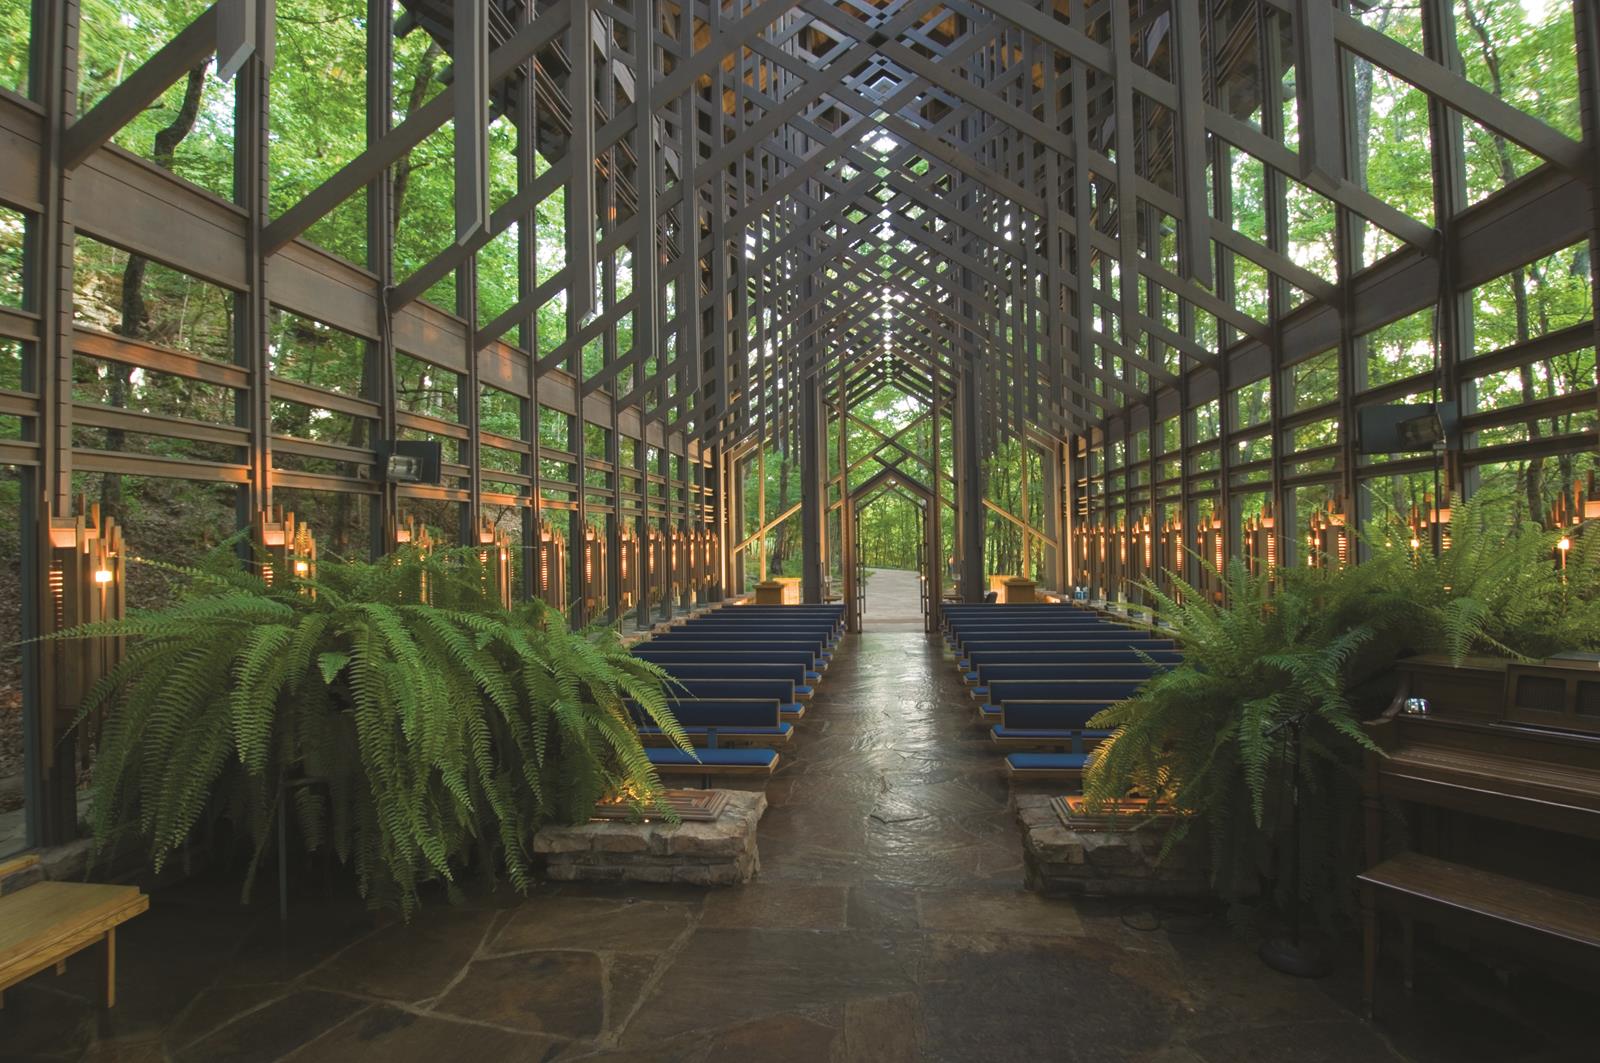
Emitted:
<point x="888" y="925"/>
<point x="889" y="922"/>
<point x="890" y="782"/>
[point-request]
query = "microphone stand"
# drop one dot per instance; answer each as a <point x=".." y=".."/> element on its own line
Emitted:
<point x="1294" y="954"/>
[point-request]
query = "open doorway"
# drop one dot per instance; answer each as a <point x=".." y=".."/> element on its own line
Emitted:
<point x="890" y="582"/>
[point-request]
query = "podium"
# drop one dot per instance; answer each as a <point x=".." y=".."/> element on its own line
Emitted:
<point x="1018" y="590"/>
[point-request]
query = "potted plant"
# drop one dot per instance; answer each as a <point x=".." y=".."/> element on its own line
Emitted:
<point x="1267" y="704"/>
<point x="415" y="738"/>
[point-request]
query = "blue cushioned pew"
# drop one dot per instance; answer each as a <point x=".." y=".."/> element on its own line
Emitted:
<point x="976" y="660"/>
<point x="1093" y="633"/>
<point x="831" y="613"/>
<point x="779" y="690"/>
<point x="764" y="629"/>
<point x="1002" y="691"/>
<point x="968" y="623"/>
<point x="965" y="629"/>
<point x="1047" y="767"/>
<point x="713" y="762"/>
<point x="1043" y="671"/>
<point x="708" y="721"/>
<point x="1044" y="645"/>
<point x="711" y="722"/>
<point x="1059" y="725"/>
<point x="990" y="673"/>
<point x="768" y="618"/>
<point x="795" y="674"/>
<point x="710" y="640"/>
<point x="669" y="658"/>
<point x="1030" y="609"/>
<point x="738" y="673"/>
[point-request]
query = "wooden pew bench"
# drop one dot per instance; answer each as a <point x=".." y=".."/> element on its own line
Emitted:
<point x="43" y="925"/>
<point x="1513" y="912"/>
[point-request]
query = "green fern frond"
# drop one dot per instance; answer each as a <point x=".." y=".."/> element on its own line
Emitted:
<point x="435" y="735"/>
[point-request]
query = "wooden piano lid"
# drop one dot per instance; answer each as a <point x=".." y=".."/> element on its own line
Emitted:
<point x="1473" y="689"/>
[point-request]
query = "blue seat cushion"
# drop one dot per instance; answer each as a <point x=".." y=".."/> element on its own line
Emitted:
<point x="709" y="712"/>
<point x="801" y="692"/>
<point x="1000" y="730"/>
<point x="990" y="710"/>
<point x="1047" y="761"/>
<point x="781" y="729"/>
<point x="670" y="757"/>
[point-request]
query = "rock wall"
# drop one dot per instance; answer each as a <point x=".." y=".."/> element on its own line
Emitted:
<point x="721" y="852"/>
<point x="1103" y="863"/>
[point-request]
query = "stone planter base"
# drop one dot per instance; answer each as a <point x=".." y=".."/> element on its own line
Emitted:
<point x="1103" y="863"/>
<point x="721" y="852"/>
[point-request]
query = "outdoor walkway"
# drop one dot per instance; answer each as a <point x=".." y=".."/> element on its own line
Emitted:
<point x="888" y="924"/>
<point x="894" y="601"/>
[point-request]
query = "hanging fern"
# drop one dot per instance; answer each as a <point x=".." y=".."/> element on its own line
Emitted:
<point x="1498" y="589"/>
<point x="1212" y="735"/>
<point x="413" y="739"/>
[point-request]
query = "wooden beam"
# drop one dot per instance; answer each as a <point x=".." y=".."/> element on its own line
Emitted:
<point x="193" y="45"/>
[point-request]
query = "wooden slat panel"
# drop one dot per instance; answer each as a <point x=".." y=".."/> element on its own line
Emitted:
<point x="18" y="403"/>
<point x="505" y="367"/>
<point x="1554" y="406"/>
<point x="151" y="465"/>
<point x="13" y="452"/>
<point x="311" y="448"/>
<point x="306" y="395"/>
<point x="312" y="282"/>
<point x="316" y="481"/>
<point x="94" y="415"/>
<point x="18" y="324"/>
<point x="97" y="344"/>
<point x="123" y="200"/>
<point x="21" y="127"/>
<point x="427" y="332"/>
<point x="421" y="422"/>
<point x="494" y="439"/>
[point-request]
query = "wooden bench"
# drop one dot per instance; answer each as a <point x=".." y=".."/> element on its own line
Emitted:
<point x="1563" y="926"/>
<point x="42" y="925"/>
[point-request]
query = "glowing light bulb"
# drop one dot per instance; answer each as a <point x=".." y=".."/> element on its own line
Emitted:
<point x="301" y="568"/>
<point x="103" y="575"/>
<point x="1415" y="542"/>
<point x="1564" y="545"/>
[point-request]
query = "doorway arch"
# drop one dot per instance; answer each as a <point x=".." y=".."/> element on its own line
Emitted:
<point x="891" y="480"/>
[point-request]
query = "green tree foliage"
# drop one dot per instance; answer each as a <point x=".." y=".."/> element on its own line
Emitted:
<point x="1521" y="52"/>
<point x="413" y="739"/>
<point x="14" y="58"/>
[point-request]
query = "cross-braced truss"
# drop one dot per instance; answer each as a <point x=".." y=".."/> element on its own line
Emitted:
<point x="1141" y="243"/>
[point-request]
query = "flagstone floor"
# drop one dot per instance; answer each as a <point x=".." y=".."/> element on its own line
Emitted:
<point x="888" y="924"/>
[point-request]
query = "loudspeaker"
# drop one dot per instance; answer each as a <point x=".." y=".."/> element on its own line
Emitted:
<point x="1403" y="428"/>
<point x="411" y="461"/>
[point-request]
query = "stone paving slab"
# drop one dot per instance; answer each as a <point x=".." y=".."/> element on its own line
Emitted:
<point x="889" y="923"/>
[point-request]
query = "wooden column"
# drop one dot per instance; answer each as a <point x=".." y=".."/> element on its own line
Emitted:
<point x="813" y="491"/>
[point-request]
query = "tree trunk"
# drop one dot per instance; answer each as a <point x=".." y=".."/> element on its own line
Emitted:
<point x="1519" y="280"/>
<point x="135" y="313"/>
<point x="414" y="100"/>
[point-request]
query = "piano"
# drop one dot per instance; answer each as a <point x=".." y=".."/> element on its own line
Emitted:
<point x="1495" y="740"/>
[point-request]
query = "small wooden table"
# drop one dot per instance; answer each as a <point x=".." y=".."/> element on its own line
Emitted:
<point x="44" y="924"/>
